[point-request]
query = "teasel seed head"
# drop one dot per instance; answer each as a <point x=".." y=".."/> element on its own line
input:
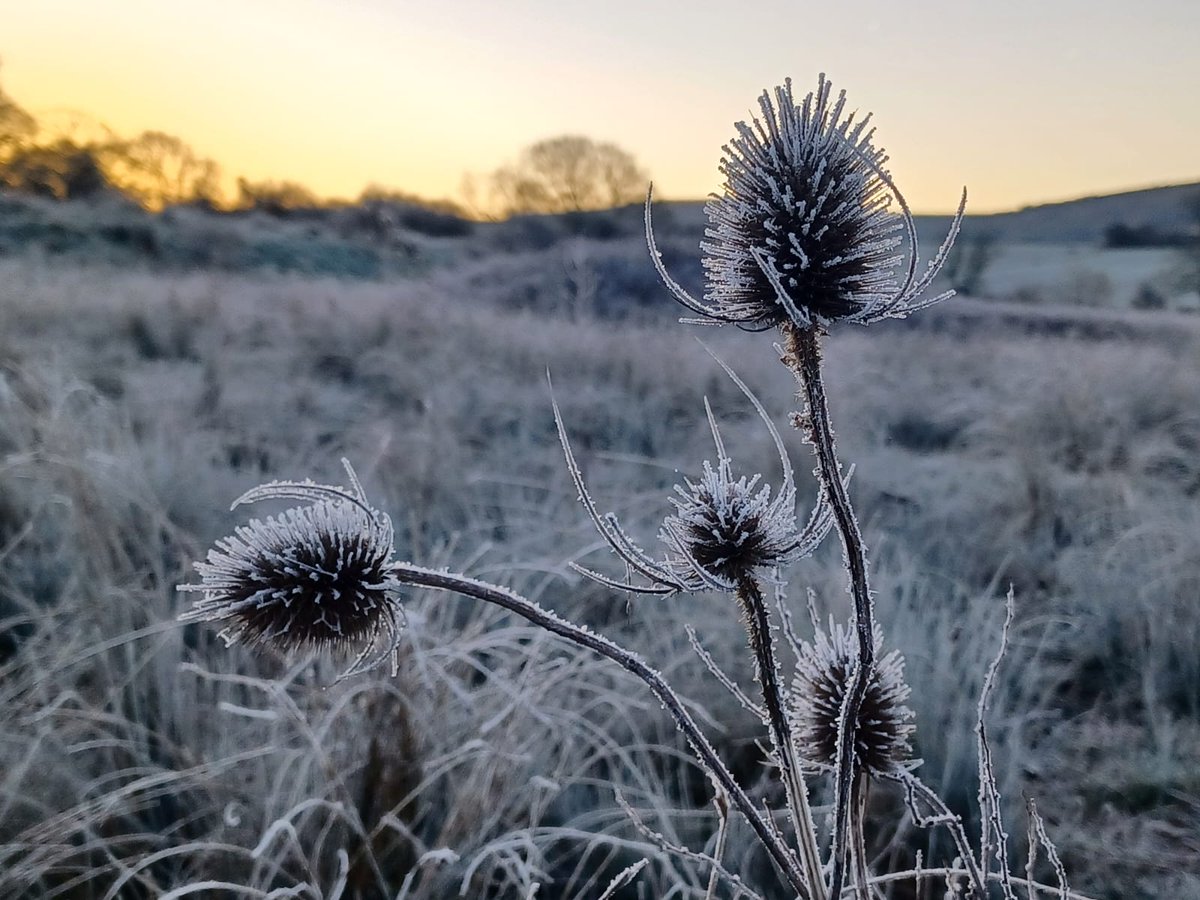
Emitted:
<point x="823" y="671"/>
<point x="727" y="526"/>
<point x="313" y="577"/>
<point x="804" y="229"/>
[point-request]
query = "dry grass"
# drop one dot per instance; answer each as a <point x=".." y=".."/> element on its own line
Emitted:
<point x="137" y="757"/>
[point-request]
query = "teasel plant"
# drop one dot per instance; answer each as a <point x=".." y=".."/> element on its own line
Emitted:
<point x="809" y="232"/>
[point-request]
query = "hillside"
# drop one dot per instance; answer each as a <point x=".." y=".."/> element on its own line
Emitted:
<point x="1084" y="220"/>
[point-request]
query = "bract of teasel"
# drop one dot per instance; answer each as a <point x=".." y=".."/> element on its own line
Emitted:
<point x="313" y="577"/>
<point x="803" y="230"/>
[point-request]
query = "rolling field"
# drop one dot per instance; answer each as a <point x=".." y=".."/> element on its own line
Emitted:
<point x="1045" y="447"/>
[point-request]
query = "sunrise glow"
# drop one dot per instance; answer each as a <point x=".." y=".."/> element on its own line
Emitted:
<point x="1024" y="102"/>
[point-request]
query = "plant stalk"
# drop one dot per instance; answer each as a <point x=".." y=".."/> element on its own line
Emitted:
<point x="758" y="632"/>
<point x="858" y="837"/>
<point x="802" y="354"/>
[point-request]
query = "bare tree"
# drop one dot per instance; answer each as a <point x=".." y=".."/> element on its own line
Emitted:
<point x="62" y="171"/>
<point x="570" y="173"/>
<point x="160" y="170"/>
<point x="17" y="127"/>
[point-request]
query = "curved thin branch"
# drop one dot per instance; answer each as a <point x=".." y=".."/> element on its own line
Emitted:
<point x="783" y="857"/>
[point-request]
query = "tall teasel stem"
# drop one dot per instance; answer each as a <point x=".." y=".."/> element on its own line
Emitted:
<point x="858" y="838"/>
<point x="762" y="643"/>
<point x="802" y="354"/>
<point x="781" y="855"/>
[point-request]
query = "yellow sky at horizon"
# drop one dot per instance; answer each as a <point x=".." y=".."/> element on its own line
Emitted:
<point x="1026" y="103"/>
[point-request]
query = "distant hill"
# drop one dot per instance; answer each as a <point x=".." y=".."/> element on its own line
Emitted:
<point x="1083" y="220"/>
<point x="1072" y="221"/>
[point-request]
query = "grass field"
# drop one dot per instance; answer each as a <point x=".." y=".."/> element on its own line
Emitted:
<point x="138" y="757"/>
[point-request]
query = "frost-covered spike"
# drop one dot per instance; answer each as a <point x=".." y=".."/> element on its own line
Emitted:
<point x="722" y="456"/>
<point x="316" y="576"/>
<point x="939" y="259"/>
<point x="354" y="482"/>
<point x="820" y="522"/>
<point x="677" y="290"/>
<point x="796" y="234"/>
<point x="722" y="527"/>
<point x="609" y="527"/>
<point x="600" y="578"/>
<point x="306" y="490"/>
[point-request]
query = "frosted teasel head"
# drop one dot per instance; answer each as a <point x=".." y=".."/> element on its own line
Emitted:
<point x="803" y="230"/>
<point x="313" y="577"/>
<point x="824" y="668"/>
<point x="723" y="527"/>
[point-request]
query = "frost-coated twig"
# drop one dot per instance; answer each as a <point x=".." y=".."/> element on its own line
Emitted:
<point x="802" y="354"/>
<point x="718" y="673"/>
<point x="721" y="804"/>
<point x="762" y="643"/>
<point x="670" y="847"/>
<point x="500" y="596"/>
<point x="992" y="838"/>
<point x="955" y="872"/>
<point x="858" y="837"/>
<point x="914" y="789"/>
<point x="623" y="878"/>
<point x="1060" y="871"/>
<point x="1031" y="843"/>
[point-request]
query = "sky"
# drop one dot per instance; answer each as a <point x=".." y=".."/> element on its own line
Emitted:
<point x="1022" y="101"/>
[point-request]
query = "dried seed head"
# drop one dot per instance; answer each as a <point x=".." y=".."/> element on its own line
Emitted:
<point x="313" y="577"/>
<point x="803" y="229"/>
<point x="823" y="671"/>
<point x="722" y="528"/>
<point x="728" y="527"/>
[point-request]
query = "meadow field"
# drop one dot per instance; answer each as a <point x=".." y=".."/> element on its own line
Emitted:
<point x="1021" y="441"/>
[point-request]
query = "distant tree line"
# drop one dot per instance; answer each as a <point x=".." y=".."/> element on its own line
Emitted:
<point x="568" y="174"/>
<point x="81" y="159"/>
<point x="1186" y="241"/>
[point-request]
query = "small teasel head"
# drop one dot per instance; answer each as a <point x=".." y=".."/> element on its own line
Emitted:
<point x="803" y="230"/>
<point x="824" y="669"/>
<point x="723" y="527"/>
<point x="313" y="577"/>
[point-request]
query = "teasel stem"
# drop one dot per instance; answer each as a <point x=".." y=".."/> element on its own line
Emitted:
<point x="802" y="354"/>
<point x="762" y="643"/>
<point x="783" y="857"/>
<point x="858" y="837"/>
